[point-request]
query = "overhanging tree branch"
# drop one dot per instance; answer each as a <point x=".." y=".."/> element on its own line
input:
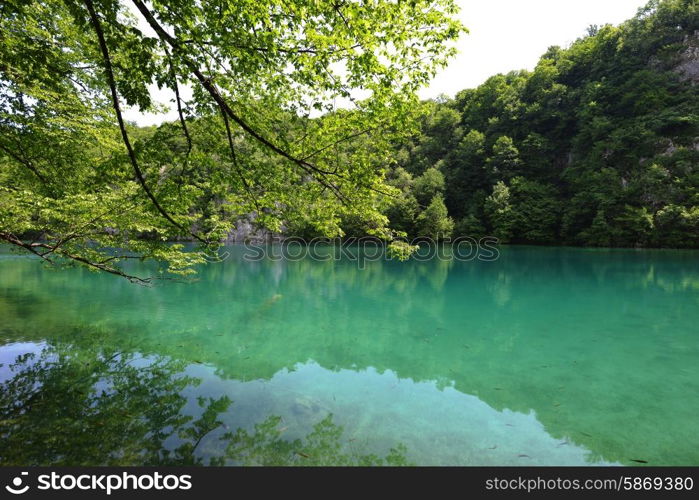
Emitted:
<point x="55" y="250"/>
<point x="180" y="114"/>
<point x="234" y="159"/>
<point x="213" y="91"/>
<point x="28" y="164"/>
<point x="94" y="19"/>
<point x="178" y="100"/>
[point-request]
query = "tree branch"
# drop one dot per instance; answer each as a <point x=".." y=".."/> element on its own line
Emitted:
<point x="54" y="249"/>
<point x="234" y="158"/>
<point x="26" y="163"/>
<point x="339" y="141"/>
<point x="178" y="99"/>
<point x="218" y="99"/>
<point x="122" y="127"/>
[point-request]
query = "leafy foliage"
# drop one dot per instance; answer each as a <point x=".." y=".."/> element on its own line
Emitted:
<point x="596" y="146"/>
<point x="261" y="137"/>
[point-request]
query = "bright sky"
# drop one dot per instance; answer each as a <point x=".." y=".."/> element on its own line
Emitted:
<point x="504" y="35"/>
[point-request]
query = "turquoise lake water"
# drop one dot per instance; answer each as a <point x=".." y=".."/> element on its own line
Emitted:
<point x="545" y="356"/>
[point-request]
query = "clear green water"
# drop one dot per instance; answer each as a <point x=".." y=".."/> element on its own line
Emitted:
<point x="545" y="356"/>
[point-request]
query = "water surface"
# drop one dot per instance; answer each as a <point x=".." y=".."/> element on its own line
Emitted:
<point x="546" y="356"/>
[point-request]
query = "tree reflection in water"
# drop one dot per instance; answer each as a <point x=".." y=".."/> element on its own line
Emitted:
<point x="75" y="405"/>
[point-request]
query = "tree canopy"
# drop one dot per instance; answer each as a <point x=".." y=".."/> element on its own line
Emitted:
<point x="598" y="145"/>
<point x="304" y="120"/>
<point x="294" y="110"/>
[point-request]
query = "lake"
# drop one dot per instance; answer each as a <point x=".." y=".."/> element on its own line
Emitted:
<point x="544" y="356"/>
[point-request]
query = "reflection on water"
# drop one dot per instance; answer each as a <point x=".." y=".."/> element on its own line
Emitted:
<point x="68" y="406"/>
<point x="546" y="356"/>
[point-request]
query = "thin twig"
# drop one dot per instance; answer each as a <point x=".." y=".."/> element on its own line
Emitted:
<point x="26" y="163"/>
<point x="234" y="158"/>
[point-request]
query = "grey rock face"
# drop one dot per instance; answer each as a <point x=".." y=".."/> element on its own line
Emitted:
<point x="688" y="67"/>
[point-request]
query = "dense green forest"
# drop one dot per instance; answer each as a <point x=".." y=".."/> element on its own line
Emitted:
<point x="598" y="145"/>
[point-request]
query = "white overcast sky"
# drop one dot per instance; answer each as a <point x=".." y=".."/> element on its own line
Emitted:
<point x="504" y="35"/>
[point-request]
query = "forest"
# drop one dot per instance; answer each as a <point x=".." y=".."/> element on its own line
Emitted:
<point x="597" y="146"/>
<point x="573" y="343"/>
